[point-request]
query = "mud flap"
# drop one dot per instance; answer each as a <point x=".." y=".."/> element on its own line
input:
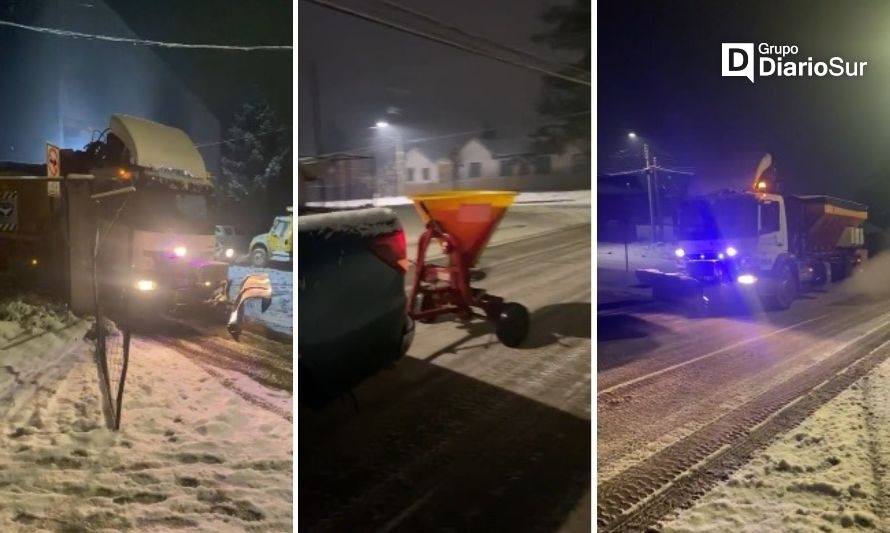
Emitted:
<point x="252" y="286"/>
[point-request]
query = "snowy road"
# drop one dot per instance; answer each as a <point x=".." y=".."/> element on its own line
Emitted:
<point x="465" y="434"/>
<point x="683" y="403"/>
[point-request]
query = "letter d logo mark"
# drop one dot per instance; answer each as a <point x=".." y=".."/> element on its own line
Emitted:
<point x="738" y="60"/>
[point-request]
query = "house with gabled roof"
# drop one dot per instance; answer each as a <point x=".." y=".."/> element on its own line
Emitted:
<point x="495" y="164"/>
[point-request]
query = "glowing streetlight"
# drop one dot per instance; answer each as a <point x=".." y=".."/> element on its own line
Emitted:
<point x="632" y="136"/>
<point x="388" y="130"/>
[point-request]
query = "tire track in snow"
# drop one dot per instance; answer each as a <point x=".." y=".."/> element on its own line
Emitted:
<point x="211" y="363"/>
<point x="638" y="497"/>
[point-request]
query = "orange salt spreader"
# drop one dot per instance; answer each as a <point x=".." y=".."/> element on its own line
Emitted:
<point x="462" y="222"/>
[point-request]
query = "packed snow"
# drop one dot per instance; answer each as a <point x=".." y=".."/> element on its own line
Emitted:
<point x="280" y="315"/>
<point x="563" y="197"/>
<point x="30" y="316"/>
<point x="828" y="474"/>
<point x="191" y="453"/>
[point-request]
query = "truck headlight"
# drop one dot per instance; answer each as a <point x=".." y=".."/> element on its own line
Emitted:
<point x="731" y="252"/>
<point x="146" y="285"/>
<point x="747" y="279"/>
<point x="679" y="252"/>
<point x="180" y="251"/>
<point x="230" y="253"/>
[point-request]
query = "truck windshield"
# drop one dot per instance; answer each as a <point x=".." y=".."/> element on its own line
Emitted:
<point x="717" y="218"/>
<point x="162" y="210"/>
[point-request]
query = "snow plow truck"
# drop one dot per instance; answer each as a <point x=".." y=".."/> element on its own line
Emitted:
<point x="739" y="246"/>
<point x="141" y="191"/>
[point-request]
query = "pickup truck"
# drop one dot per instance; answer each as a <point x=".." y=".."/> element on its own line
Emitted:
<point x="276" y="245"/>
<point x="351" y="295"/>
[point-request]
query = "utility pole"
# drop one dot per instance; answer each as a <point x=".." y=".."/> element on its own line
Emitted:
<point x="400" y="163"/>
<point x="649" y="178"/>
<point x="316" y="108"/>
<point x="658" y="218"/>
<point x="316" y="124"/>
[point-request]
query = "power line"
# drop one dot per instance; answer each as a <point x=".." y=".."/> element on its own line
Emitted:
<point x="141" y="42"/>
<point x="448" y="42"/>
<point x="481" y="38"/>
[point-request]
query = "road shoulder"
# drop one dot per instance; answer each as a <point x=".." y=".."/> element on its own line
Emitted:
<point x="826" y="474"/>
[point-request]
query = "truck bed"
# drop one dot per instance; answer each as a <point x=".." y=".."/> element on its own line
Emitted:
<point x="824" y="223"/>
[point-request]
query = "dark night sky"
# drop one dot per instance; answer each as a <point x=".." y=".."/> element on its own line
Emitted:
<point x="364" y="68"/>
<point x="659" y="74"/>
<point x="58" y="89"/>
<point x="221" y="78"/>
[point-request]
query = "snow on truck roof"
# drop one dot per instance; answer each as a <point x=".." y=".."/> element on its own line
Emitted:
<point x="156" y="146"/>
<point x="365" y="222"/>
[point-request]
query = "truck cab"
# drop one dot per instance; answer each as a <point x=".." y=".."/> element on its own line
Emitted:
<point x="157" y="246"/>
<point x="276" y="245"/>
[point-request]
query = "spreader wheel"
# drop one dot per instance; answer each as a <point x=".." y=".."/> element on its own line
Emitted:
<point x="512" y="324"/>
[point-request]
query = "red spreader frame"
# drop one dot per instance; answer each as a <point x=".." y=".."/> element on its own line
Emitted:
<point x="445" y="289"/>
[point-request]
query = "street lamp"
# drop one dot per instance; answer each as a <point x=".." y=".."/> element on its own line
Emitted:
<point x="650" y="178"/>
<point x="382" y="125"/>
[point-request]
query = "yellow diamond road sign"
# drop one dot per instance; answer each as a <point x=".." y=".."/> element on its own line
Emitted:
<point x="52" y="161"/>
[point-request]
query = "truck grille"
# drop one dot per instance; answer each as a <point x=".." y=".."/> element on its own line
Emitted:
<point x="214" y="272"/>
<point x="703" y="270"/>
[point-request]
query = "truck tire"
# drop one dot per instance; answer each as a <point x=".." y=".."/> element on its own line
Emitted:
<point x="259" y="257"/>
<point x="821" y="274"/>
<point x="785" y="289"/>
<point x="839" y="271"/>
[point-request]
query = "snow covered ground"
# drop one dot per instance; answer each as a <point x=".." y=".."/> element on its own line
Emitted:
<point x="829" y="474"/>
<point x="22" y="318"/>
<point x="280" y="315"/>
<point x="191" y="454"/>
<point x="563" y="197"/>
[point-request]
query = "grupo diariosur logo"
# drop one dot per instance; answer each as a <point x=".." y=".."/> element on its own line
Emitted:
<point x="780" y="61"/>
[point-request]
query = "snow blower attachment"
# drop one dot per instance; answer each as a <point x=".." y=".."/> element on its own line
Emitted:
<point x="462" y="222"/>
